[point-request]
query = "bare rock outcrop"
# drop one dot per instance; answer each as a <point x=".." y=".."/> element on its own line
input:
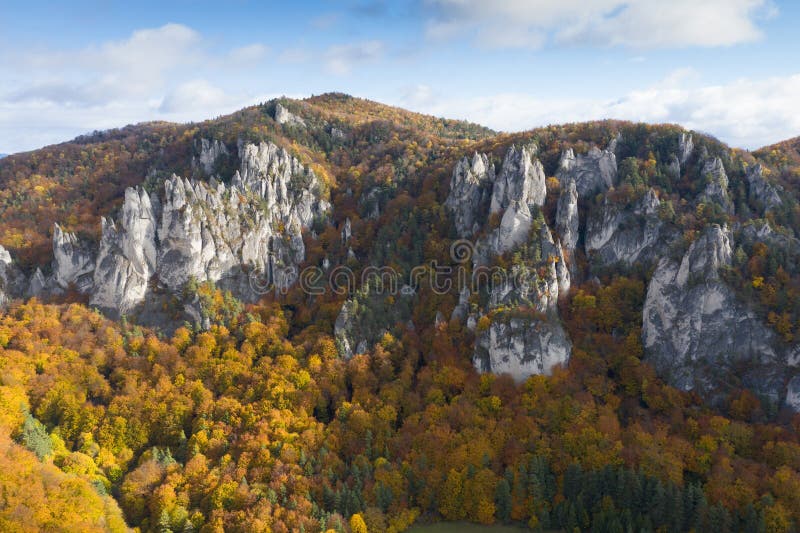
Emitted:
<point x="521" y="179"/>
<point x="470" y="193"/>
<point x="698" y="335"/>
<point x="626" y="234"/>
<point x="592" y="172"/>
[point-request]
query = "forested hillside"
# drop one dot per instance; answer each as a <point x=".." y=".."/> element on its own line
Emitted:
<point x="641" y="374"/>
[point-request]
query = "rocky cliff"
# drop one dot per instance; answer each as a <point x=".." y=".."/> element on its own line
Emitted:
<point x="699" y="336"/>
<point x="470" y="193"/>
<point x="764" y="194"/>
<point x="12" y="281"/>
<point x="526" y="344"/>
<point x="626" y="234"/>
<point x="521" y="179"/>
<point x="682" y="216"/>
<point x="525" y="335"/>
<point x="592" y="172"/>
<point x="246" y="236"/>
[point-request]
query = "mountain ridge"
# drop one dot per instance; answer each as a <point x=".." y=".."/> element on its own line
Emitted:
<point x="309" y="312"/>
<point x="130" y="172"/>
<point x="351" y="148"/>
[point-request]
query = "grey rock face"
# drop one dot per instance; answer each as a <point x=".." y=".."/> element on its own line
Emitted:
<point x="567" y="222"/>
<point x="344" y="327"/>
<point x="127" y="257"/>
<point x="12" y="280"/>
<point x="526" y="286"/>
<point x="674" y="167"/>
<point x="205" y="231"/>
<point x="514" y="228"/>
<point x="209" y="151"/>
<point x="73" y="261"/>
<point x="616" y="234"/>
<point x="793" y="394"/>
<point x="553" y="254"/>
<point x="685" y="147"/>
<point x="282" y="182"/>
<point x="470" y="191"/>
<point x="593" y="172"/>
<point x="521" y="179"/>
<point x="475" y="191"/>
<point x="521" y="348"/>
<point x="338" y="134"/>
<point x="347" y="231"/>
<point x="5" y="264"/>
<point x="37" y="283"/>
<point x="284" y="116"/>
<point x="697" y="334"/>
<point x="716" y="190"/>
<point x="760" y="190"/>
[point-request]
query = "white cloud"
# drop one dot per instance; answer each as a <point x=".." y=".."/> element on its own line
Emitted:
<point x="634" y="23"/>
<point x="340" y="59"/>
<point x="419" y="96"/>
<point x="48" y="96"/>
<point x="98" y="75"/>
<point x="194" y="95"/>
<point x="747" y="113"/>
<point x="251" y="53"/>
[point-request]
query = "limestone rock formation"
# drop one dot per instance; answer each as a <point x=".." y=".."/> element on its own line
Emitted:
<point x="520" y="345"/>
<point x="528" y="344"/>
<point x="521" y="179"/>
<point x="626" y="234"/>
<point x="343" y="329"/>
<point x="209" y="151"/>
<point x="685" y="147"/>
<point x="347" y="231"/>
<point x="762" y="192"/>
<point x="521" y="348"/>
<point x="202" y="231"/>
<point x="793" y="394"/>
<point x="698" y="335"/>
<point x="284" y="116"/>
<point x="12" y="280"/>
<point x="475" y="190"/>
<point x="716" y="190"/>
<point x="674" y="167"/>
<point x="470" y="192"/>
<point x="593" y="172"/>
<point x="127" y="257"/>
<point x="514" y="228"/>
<point x="73" y="261"/>
<point x="461" y="310"/>
<point x="567" y="222"/>
<point x="37" y="284"/>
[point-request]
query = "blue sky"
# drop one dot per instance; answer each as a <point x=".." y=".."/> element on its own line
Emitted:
<point x="726" y="67"/>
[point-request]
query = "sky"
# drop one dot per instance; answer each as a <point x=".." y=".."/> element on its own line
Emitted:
<point x="724" y="67"/>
